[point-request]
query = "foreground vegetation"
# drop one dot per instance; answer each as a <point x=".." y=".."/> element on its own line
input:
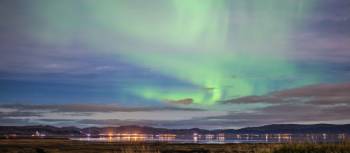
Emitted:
<point x="68" y="146"/>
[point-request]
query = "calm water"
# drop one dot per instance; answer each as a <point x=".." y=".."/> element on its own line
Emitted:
<point x="209" y="138"/>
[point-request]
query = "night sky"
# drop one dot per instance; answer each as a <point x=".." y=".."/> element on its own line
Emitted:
<point x="174" y="63"/>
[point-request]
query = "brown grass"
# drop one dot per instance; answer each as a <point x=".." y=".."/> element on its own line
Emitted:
<point x="68" y="146"/>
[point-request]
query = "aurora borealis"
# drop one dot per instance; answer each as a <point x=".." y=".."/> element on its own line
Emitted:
<point x="193" y="41"/>
<point x="186" y="54"/>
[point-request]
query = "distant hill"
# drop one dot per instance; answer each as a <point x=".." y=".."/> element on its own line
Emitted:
<point x="294" y="128"/>
<point x="29" y="130"/>
<point x="267" y="129"/>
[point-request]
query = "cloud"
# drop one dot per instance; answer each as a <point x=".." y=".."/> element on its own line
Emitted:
<point x="89" y="108"/>
<point x="324" y="103"/>
<point x="290" y="113"/>
<point x="315" y="46"/>
<point x="323" y="94"/>
<point x="186" y="101"/>
<point x="98" y="115"/>
<point x="327" y="103"/>
<point x="331" y="17"/>
<point x="325" y="34"/>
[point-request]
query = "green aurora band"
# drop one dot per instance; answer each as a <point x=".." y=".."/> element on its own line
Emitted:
<point x="223" y="48"/>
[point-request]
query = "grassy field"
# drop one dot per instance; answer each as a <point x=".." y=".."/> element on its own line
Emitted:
<point x="68" y="146"/>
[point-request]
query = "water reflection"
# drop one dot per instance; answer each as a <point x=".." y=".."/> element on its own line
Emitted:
<point x="219" y="138"/>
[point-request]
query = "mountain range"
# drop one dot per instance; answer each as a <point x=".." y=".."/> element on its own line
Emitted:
<point x="266" y="129"/>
